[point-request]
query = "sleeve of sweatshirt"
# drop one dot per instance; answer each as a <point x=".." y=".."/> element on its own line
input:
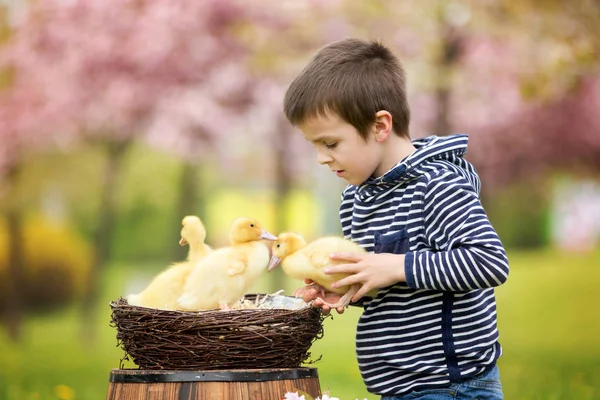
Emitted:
<point x="468" y="253"/>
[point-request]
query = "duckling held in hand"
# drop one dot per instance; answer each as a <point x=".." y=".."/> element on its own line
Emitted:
<point x="223" y="277"/>
<point x="167" y="287"/>
<point x="303" y="261"/>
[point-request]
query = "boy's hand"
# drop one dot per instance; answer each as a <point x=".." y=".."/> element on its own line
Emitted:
<point x="316" y="294"/>
<point x="372" y="271"/>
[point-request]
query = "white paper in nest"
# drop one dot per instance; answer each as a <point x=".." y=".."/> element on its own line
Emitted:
<point x="286" y="302"/>
<point x="272" y="301"/>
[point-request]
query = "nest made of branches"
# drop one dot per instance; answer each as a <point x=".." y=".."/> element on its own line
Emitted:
<point x="210" y="340"/>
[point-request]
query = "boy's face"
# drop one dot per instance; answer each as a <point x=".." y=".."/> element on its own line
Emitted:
<point x="342" y="149"/>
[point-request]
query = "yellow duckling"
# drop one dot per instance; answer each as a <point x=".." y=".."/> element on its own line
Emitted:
<point x="300" y="260"/>
<point x="223" y="277"/>
<point x="194" y="234"/>
<point x="166" y="287"/>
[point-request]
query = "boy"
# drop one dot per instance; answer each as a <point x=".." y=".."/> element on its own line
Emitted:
<point x="430" y="333"/>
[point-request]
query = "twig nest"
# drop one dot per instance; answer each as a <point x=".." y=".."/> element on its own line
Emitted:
<point x="262" y="331"/>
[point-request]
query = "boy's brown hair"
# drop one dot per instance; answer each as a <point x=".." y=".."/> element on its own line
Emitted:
<point x="353" y="79"/>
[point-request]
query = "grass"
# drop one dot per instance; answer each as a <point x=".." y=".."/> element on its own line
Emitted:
<point x="548" y="320"/>
<point x="548" y="313"/>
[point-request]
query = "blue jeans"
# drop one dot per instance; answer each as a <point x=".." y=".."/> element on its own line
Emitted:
<point x="486" y="386"/>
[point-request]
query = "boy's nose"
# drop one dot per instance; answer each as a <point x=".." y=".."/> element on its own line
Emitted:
<point x="323" y="158"/>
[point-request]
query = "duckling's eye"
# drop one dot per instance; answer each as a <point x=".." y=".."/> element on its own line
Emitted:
<point x="251" y="225"/>
<point x="330" y="145"/>
<point x="278" y="245"/>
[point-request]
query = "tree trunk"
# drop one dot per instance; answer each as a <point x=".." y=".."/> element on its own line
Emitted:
<point x="283" y="185"/>
<point x="13" y="311"/>
<point x="190" y="202"/>
<point x="447" y="61"/>
<point x="116" y="152"/>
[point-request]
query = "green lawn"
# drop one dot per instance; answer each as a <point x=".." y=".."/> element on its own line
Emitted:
<point x="548" y="318"/>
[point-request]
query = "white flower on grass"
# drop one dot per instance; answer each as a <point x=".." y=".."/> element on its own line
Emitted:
<point x="326" y="397"/>
<point x="296" y="396"/>
<point x="293" y="396"/>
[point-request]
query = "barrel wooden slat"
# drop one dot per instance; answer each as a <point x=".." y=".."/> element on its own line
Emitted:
<point x="238" y="390"/>
<point x="211" y="385"/>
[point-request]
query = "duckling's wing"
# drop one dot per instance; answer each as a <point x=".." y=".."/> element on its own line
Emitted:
<point x="236" y="263"/>
<point x="319" y="258"/>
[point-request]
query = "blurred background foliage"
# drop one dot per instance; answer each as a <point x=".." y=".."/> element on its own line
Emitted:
<point x="117" y="119"/>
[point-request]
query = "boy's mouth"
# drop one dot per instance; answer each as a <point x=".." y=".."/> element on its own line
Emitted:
<point x="339" y="173"/>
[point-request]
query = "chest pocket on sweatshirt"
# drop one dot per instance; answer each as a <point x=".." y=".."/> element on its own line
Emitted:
<point x="395" y="242"/>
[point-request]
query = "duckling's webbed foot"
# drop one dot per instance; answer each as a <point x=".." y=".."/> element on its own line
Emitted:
<point x="344" y="301"/>
<point x="312" y="287"/>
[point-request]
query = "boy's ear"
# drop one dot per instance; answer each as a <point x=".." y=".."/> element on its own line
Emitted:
<point x="383" y="125"/>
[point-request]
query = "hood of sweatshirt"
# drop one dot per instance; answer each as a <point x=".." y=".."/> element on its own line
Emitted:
<point x="432" y="154"/>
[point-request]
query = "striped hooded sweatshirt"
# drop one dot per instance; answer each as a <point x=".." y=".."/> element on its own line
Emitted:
<point x="439" y="327"/>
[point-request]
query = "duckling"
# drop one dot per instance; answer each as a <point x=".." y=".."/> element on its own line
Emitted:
<point x="166" y="287"/>
<point x="300" y="260"/>
<point x="223" y="277"/>
<point x="194" y="234"/>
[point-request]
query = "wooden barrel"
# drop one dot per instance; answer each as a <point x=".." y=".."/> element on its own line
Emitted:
<point x="248" y="384"/>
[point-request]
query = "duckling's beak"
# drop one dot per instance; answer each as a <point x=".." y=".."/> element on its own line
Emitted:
<point x="267" y="236"/>
<point x="273" y="262"/>
<point x="183" y="242"/>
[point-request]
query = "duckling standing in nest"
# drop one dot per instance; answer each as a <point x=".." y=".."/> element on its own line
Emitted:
<point x="304" y="261"/>
<point x="223" y="277"/>
<point x="167" y="287"/>
<point x="193" y="234"/>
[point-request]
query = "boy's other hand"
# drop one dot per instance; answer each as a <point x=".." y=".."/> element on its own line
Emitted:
<point x="372" y="271"/>
<point x="317" y="294"/>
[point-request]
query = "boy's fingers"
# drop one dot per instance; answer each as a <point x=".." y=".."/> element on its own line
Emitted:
<point x="341" y="268"/>
<point x="310" y="295"/>
<point x="359" y="294"/>
<point x="347" y="281"/>
<point x="354" y="257"/>
<point x="318" y="303"/>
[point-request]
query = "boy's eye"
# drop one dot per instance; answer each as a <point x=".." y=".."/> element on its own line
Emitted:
<point x="330" y="145"/>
